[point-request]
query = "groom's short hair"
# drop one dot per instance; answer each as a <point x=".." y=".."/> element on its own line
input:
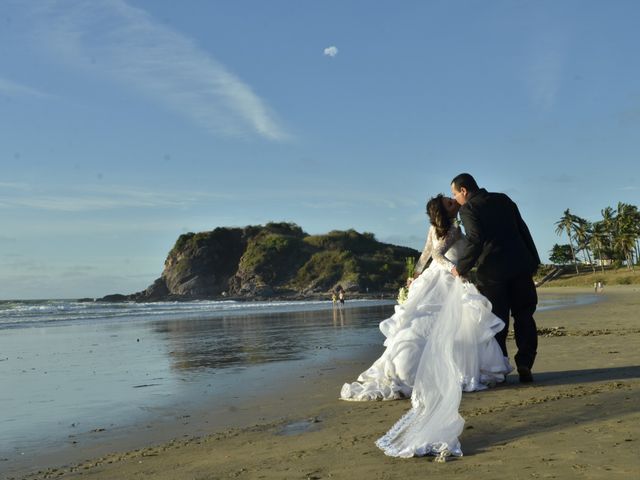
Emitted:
<point x="467" y="181"/>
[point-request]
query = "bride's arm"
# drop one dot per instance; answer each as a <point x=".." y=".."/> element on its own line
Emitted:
<point x="442" y="245"/>
<point x="426" y="254"/>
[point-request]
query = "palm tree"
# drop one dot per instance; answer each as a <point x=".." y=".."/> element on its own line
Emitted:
<point x="566" y="225"/>
<point x="608" y="230"/>
<point x="608" y="220"/>
<point x="616" y="236"/>
<point x="598" y="241"/>
<point x="583" y="231"/>
<point x="626" y="232"/>
<point x="631" y="211"/>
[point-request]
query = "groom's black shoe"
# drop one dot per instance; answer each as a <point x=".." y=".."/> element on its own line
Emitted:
<point x="525" y="375"/>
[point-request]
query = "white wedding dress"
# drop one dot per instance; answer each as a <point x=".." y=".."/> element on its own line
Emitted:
<point x="439" y="342"/>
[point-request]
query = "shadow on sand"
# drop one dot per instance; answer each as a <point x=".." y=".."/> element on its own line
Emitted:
<point x="603" y="398"/>
<point x="572" y="377"/>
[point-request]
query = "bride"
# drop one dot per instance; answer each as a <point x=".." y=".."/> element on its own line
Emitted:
<point x="439" y="342"/>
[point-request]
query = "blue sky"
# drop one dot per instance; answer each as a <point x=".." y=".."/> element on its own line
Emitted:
<point x="126" y="123"/>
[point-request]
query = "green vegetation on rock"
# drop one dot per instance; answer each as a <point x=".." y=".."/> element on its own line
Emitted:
<point x="273" y="256"/>
<point x="324" y="270"/>
<point x="278" y="258"/>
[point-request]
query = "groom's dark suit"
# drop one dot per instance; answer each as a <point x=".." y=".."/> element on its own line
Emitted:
<point x="500" y="242"/>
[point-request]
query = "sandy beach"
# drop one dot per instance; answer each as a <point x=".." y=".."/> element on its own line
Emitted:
<point x="580" y="419"/>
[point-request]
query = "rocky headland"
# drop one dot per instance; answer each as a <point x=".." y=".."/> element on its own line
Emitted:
<point x="274" y="260"/>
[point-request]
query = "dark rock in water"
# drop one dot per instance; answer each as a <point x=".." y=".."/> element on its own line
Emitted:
<point x="116" y="297"/>
<point x="156" y="291"/>
<point x="274" y="260"/>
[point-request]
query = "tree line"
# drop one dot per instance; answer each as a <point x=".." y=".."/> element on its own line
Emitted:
<point x="615" y="239"/>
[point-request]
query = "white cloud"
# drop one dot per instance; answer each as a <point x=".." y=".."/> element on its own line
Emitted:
<point x="114" y="39"/>
<point x="331" y="51"/>
<point x="9" y="88"/>
<point x="95" y="198"/>
<point x="14" y="185"/>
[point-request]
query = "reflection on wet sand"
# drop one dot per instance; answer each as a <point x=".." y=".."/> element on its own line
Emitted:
<point x="251" y="339"/>
<point x="338" y="316"/>
<point x="238" y="341"/>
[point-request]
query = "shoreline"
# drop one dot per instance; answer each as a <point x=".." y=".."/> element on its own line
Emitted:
<point x="308" y="418"/>
<point x="276" y="297"/>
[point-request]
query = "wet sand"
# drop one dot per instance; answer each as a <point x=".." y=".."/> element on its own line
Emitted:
<point x="580" y="419"/>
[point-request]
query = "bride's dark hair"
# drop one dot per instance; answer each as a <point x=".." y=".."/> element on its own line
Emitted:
<point x="438" y="216"/>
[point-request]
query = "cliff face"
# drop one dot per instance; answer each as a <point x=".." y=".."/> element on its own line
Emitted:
<point x="275" y="259"/>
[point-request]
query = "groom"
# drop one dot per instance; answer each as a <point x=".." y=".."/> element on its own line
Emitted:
<point x="501" y="245"/>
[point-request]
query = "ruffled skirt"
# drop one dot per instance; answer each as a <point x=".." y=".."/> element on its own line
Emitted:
<point x="438" y="343"/>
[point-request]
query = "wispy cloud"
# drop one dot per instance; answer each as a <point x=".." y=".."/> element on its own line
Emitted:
<point x="9" y="88"/>
<point x="629" y="116"/>
<point x="546" y="62"/>
<point x="127" y="44"/>
<point x="97" y="198"/>
<point x="314" y="198"/>
<point x="331" y="51"/>
<point x="78" y="203"/>
<point x="103" y="197"/>
<point x="543" y="79"/>
<point x="328" y="205"/>
<point x="14" y="185"/>
<point x="561" y="177"/>
<point x="23" y="264"/>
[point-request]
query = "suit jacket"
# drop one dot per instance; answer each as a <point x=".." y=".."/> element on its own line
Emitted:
<point x="498" y="239"/>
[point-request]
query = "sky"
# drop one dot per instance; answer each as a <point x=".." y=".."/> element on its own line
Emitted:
<point x="124" y="124"/>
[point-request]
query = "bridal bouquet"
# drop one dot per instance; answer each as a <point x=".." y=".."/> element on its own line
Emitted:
<point x="410" y="264"/>
<point x="402" y="295"/>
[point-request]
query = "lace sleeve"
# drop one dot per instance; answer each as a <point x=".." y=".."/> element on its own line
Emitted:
<point x="426" y="253"/>
<point x="441" y="245"/>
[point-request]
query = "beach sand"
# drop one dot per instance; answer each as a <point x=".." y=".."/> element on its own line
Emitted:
<point x="580" y="419"/>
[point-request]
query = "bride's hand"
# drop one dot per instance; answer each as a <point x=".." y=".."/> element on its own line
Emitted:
<point x="409" y="281"/>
